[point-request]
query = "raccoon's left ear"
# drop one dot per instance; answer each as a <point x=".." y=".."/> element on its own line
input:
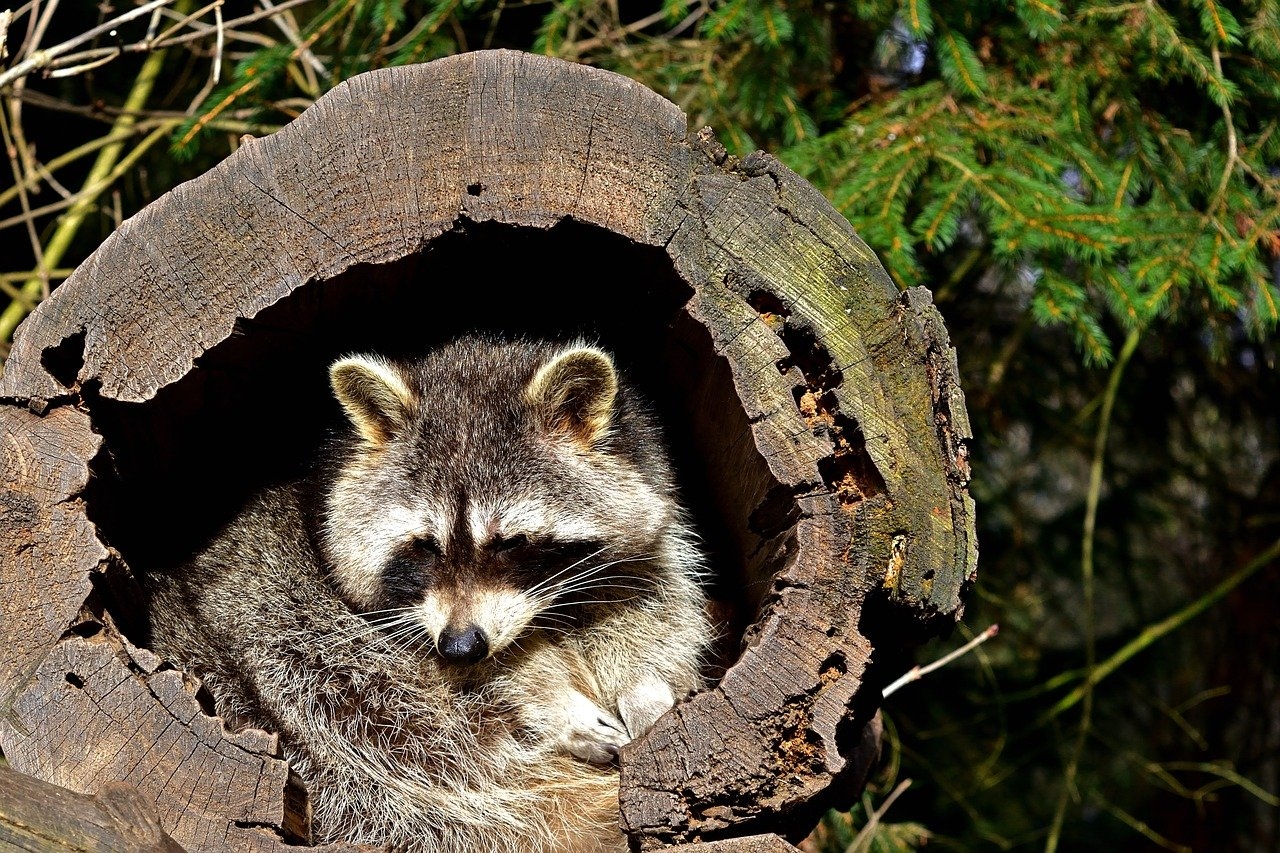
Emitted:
<point x="375" y="395"/>
<point x="575" y="392"/>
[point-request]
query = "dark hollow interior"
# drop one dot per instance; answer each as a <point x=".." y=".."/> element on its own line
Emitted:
<point x="256" y="407"/>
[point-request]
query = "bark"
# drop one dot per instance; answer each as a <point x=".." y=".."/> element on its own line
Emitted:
<point x="818" y="409"/>
<point x="42" y="818"/>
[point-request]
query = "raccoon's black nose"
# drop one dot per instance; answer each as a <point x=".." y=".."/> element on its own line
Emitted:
<point x="466" y="645"/>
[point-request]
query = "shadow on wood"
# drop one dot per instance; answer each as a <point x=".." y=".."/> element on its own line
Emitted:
<point x="815" y="413"/>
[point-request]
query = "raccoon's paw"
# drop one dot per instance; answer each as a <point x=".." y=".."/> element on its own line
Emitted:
<point x="592" y="733"/>
<point x="642" y="705"/>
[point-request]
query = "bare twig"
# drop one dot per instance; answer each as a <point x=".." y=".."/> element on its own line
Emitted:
<point x="1086" y="571"/>
<point x="6" y="17"/>
<point x="1138" y="826"/>
<point x="202" y="30"/>
<point x="36" y="35"/>
<point x="918" y="672"/>
<point x="285" y="24"/>
<point x="98" y="180"/>
<point x="104" y="55"/>
<point x="615" y="33"/>
<point x="1233" y="153"/>
<point x="216" y="74"/>
<point x="192" y="20"/>
<point x="15" y="145"/>
<point x="95" y="56"/>
<point x="862" y="841"/>
<point x="41" y="58"/>
<point x="1152" y="633"/>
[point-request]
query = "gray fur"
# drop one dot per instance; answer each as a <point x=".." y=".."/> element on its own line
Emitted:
<point x="317" y="611"/>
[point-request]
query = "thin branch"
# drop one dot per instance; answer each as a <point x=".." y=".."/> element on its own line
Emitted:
<point x="619" y="34"/>
<point x="220" y="29"/>
<point x="1086" y="579"/>
<point x="40" y="58"/>
<point x="1233" y="155"/>
<point x="6" y="18"/>
<point x="1224" y="771"/>
<point x="8" y="278"/>
<point x="1138" y="826"/>
<point x="1153" y="633"/>
<point x="918" y="672"/>
<point x="105" y="55"/>
<point x="184" y="21"/>
<point x="216" y="74"/>
<point x="99" y="178"/>
<point x="291" y="33"/>
<point x="35" y="36"/>
<point x="16" y="147"/>
<point x="862" y="841"/>
<point x="201" y="30"/>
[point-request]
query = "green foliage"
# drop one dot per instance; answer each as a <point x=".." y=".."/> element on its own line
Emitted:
<point x="1093" y="164"/>
<point x="851" y="832"/>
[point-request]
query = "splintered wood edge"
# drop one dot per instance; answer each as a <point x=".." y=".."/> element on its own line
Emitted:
<point x="851" y="391"/>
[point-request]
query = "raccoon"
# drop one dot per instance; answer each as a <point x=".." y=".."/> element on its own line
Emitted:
<point x="486" y="588"/>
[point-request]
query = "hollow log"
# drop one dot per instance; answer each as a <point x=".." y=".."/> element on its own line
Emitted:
<point x="814" y="413"/>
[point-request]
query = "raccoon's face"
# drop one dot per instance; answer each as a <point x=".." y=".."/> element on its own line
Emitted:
<point x="489" y="494"/>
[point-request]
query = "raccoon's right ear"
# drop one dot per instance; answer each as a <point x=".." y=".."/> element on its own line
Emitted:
<point x="374" y="394"/>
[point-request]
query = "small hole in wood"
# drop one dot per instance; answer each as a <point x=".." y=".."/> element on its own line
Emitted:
<point x="475" y="189"/>
<point x="75" y="681"/>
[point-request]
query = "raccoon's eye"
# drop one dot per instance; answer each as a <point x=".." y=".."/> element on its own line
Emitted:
<point x="425" y="546"/>
<point x="510" y="543"/>
<point x="580" y="550"/>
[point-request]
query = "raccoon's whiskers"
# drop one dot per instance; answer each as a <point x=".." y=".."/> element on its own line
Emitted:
<point x="407" y="633"/>
<point x="594" y="601"/>
<point x="609" y="581"/>
<point x="590" y="575"/>
<point x="364" y="628"/>
<point x="426" y="641"/>
<point x="537" y="588"/>
<point x="384" y="631"/>
<point x="367" y="613"/>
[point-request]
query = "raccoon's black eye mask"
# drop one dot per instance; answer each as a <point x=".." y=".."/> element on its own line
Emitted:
<point x="572" y="551"/>
<point x="535" y="560"/>
<point x="424" y="546"/>
<point x="405" y="575"/>
<point x="510" y="543"/>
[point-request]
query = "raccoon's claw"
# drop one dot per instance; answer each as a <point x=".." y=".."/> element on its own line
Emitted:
<point x="642" y="705"/>
<point x="599" y="744"/>
<point x="592" y="734"/>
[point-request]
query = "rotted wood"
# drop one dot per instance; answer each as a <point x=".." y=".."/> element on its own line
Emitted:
<point x="839" y="428"/>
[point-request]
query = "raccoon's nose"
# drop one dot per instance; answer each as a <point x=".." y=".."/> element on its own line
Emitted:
<point x="467" y="645"/>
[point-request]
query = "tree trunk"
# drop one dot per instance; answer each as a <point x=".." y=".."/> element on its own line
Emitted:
<point x="814" y="413"/>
